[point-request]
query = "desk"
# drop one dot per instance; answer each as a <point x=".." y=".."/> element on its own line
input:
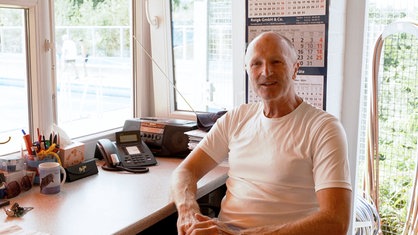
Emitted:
<point x="107" y="203"/>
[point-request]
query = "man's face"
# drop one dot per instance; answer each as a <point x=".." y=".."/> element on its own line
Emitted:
<point x="271" y="68"/>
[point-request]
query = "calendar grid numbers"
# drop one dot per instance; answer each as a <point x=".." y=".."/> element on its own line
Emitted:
<point x="310" y="88"/>
<point x="261" y="8"/>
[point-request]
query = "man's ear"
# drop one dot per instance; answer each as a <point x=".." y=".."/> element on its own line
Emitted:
<point x="295" y="71"/>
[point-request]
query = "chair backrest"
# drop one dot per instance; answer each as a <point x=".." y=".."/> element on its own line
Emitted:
<point x="411" y="224"/>
<point x="393" y="33"/>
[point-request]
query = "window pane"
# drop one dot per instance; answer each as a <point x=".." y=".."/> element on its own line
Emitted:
<point x="202" y="49"/>
<point x="13" y="79"/>
<point x="94" y="65"/>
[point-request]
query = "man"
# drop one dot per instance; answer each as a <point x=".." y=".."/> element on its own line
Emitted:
<point x="289" y="170"/>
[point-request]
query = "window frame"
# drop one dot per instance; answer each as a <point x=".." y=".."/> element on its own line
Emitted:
<point x="41" y="77"/>
<point x="38" y="60"/>
<point x="163" y="102"/>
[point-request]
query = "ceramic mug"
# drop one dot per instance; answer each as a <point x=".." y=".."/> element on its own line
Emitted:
<point x="50" y="177"/>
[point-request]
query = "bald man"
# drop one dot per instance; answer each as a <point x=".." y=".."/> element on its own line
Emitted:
<point x="289" y="171"/>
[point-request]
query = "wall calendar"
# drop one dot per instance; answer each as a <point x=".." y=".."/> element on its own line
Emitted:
<point x="305" y="23"/>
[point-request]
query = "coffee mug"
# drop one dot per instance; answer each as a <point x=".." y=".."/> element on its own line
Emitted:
<point x="50" y="177"/>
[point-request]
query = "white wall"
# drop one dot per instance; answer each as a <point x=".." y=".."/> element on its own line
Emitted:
<point x="353" y="75"/>
<point x="345" y="50"/>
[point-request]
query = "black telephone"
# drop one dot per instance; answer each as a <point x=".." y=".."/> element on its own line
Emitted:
<point x="129" y="153"/>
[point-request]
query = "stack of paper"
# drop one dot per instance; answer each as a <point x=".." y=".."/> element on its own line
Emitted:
<point x="195" y="136"/>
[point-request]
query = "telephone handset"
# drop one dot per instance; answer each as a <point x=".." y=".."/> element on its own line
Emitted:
<point x="129" y="153"/>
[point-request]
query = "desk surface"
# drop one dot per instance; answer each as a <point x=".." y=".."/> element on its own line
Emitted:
<point x="107" y="203"/>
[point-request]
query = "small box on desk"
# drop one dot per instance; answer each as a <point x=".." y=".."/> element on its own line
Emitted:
<point x="11" y="163"/>
<point x="13" y="176"/>
<point x="72" y="154"/>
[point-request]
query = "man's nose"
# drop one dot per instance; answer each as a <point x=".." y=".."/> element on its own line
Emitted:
<point x="266" y="70"/>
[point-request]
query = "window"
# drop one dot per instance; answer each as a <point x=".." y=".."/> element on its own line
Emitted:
<point x="13" y="78"/>
<point x="201" y="70"/>
<point x="87" y="94"/>
<point x="202" y="49"/>
<point x="397" y="112"/>
<point x="94" y="65"/>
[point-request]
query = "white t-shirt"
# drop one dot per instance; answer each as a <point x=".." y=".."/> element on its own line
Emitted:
<point x="277" y="164"/>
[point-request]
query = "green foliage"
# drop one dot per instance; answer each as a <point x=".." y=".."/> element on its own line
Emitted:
<point x="394" y="196"/>
<point x="88" y="17"/>
<point x="181" y="4"/>
<point x="80" y="2"/>
<point x="384" y="16"/>
<point x="90" y="12"/>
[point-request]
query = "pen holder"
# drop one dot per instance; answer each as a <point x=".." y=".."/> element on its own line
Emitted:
<point x="33" y="163"/>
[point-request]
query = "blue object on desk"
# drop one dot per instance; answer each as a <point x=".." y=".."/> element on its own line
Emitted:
<point x="32" y="165"/>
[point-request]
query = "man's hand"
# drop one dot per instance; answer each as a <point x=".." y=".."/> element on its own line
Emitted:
<point x="185" y="221"/>
<point x="208" y="226"/>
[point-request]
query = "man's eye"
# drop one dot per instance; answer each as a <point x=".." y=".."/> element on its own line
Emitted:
<point x="256" y="64"/>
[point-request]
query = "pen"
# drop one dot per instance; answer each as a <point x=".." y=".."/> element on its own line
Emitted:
<point x="55" y="139"/>
<point x="28" y="142"/>
<point x="39" y="134"/>
<point x="44" y="141"/>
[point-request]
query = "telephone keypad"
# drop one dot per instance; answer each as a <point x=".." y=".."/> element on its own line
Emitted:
<point x="136" y="160"/>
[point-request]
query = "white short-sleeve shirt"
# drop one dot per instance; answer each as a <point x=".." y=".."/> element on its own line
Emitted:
<point x="277" y="164"/>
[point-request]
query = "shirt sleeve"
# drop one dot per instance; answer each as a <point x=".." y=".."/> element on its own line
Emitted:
<point x="215" y="143"/>
<point x="330" y="161"/>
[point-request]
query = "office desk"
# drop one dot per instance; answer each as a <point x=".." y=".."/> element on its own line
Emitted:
<point x="107" y="203"/>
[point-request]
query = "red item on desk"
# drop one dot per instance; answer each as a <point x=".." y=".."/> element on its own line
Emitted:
<point x="28" y="143"/>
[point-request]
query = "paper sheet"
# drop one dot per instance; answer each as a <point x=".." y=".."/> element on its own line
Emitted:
<point x="16" y="230"/>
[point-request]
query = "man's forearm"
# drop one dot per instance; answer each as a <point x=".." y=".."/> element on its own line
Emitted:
<point x="314" y="225"/>
<point x="333" y="217"/>
<point x="183" y="191"/>
<point x="185" y="177"/>
<point x="183" y="194"/>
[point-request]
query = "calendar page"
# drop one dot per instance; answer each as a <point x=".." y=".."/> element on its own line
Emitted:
<point x="304" y="22"/>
